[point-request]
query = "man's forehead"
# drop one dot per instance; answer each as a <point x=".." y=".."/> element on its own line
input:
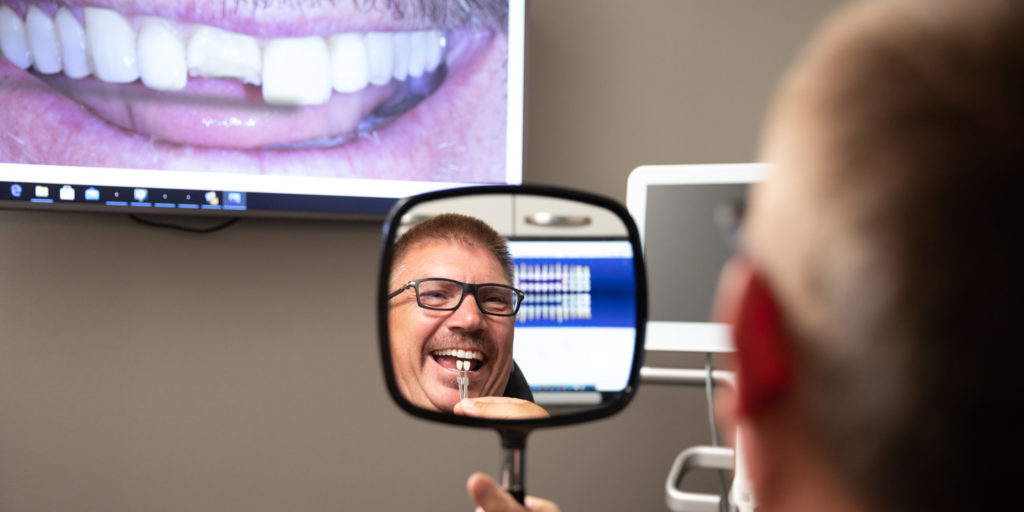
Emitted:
<point x="431" y="256"/>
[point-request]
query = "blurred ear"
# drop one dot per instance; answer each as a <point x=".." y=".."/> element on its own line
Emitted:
<point x="763" y="356"/>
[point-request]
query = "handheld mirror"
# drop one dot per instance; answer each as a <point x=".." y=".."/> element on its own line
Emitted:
<point x="511" y="308"/>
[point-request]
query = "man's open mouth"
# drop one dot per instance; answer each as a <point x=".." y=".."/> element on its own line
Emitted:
<point x="449" y="357"/>
<point x="340" y="89"/>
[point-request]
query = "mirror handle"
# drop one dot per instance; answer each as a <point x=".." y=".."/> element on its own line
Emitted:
<point x="549" y="219"/>
<point x="513" y="462"/>
<point x="512" y="470"/>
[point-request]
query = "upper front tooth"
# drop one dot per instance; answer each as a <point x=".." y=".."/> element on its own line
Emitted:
<point x="13" y="39"/>
<point x="461" y="354"/>
<point x="112" y="44"/>
<point x="402" y="48"/>
<point x="72" y="45"/>
<point x="161" y="56"/>
<point x="349" y="65"/>
<point x="216" y="53"/>
<point x="296" y="71"/>
<point x="418" y="53"/>
<point x="435" y="49"/>
<point x="42" y="41"/>
<point x="380" y="56"/>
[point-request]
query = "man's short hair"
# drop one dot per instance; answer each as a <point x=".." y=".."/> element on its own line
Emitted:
<point x="899" y="262"/>
<point x="458" y="229"/>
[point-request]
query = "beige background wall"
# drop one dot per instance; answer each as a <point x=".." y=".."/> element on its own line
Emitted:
<point x="150" y="370"/>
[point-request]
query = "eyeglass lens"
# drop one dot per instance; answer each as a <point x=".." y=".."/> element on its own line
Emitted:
<point x="445" y="294"/>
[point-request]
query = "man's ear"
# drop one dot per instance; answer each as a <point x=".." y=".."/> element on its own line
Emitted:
<point x="764" y="367"/>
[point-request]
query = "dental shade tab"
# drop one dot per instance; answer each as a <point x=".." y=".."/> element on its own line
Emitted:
<point x="163" y="54"/>
<point x="463" y="378"/>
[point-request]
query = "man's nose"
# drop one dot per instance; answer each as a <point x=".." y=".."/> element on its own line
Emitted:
<point x="468" y="315"/>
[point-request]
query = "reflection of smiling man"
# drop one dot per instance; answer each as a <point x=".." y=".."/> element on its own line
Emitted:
<point x="453" y="303"/>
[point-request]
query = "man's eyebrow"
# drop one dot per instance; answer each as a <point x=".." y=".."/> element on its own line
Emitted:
<point x="492" y="14"/>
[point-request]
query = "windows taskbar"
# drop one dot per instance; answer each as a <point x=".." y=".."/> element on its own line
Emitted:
<point x="170" y="201"/>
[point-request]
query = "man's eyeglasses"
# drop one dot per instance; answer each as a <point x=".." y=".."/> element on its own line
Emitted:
<point x="442" y="294"/>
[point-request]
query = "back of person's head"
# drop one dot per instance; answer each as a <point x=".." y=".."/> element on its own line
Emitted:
<point x="456" y="229"/>
<point x="890" y="230"/>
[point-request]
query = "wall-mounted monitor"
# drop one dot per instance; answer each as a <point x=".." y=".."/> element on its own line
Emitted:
<point x="674" y="208"/>
<point x="268" y="108"/>
<point x="577" y="308"/>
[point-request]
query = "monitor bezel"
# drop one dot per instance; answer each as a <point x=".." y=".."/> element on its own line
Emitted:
<point x="685" y="336"/>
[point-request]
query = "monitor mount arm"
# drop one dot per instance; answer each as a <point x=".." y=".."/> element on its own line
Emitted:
<point x="741" y="498"/>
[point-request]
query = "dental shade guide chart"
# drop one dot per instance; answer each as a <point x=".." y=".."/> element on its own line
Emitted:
<point x="333" y="110"/>
<point x="580" y="348"/>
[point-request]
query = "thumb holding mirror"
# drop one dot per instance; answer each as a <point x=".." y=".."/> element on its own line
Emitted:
<point x="490" y="497"/>
<point x="500" y="408"/>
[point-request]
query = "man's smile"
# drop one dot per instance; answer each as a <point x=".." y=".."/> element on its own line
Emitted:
<point x="448" y="358"/>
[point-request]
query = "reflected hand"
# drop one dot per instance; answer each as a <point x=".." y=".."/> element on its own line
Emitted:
<point x="500" y="408"/>
<point x="490" y="497"/>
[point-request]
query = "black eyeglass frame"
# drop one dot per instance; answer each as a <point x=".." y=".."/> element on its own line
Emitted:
<point x="415" y="285"/>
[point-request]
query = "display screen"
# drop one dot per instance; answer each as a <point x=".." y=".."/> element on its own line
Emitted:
<point x="685" y="248"/>
<point x="262" y="108"/>
<point x="579" y="306"/>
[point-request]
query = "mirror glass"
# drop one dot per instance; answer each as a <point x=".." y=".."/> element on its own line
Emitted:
<point x="526" y="302"/>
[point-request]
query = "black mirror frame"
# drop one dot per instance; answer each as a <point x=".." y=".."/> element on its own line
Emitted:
<point x="391" y="225"/>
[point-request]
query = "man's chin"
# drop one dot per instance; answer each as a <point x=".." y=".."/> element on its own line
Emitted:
<point x="444" y="401"/>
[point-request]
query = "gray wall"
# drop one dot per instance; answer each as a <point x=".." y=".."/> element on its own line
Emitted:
<point x="149" y="370"/>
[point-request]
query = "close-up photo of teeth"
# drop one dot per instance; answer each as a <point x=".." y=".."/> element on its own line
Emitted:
<point x="163" y="54"/>
<point x="310" y="88"/>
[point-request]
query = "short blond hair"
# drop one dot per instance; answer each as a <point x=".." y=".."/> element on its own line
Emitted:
<point x="457" y="229"/>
